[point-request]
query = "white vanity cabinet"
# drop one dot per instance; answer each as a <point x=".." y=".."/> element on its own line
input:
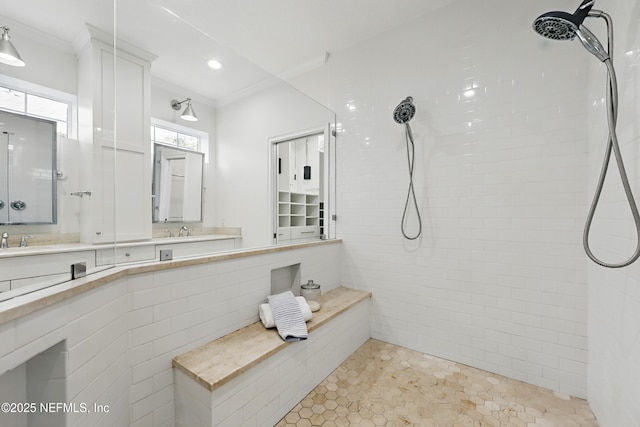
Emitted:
<point x="186" y="248"/>
<point x="114" y="97"/>
<point x="180" y="247"/>
<point x="123" y="255"/>
<point x="42" y="266"/>
<point x="24" y="270"/>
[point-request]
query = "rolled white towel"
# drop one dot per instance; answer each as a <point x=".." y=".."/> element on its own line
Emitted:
<point x="266" y="316"/>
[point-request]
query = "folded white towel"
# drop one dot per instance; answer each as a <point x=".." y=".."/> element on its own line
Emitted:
<point x="266" y="315"/>
<point x="288" y="316"/>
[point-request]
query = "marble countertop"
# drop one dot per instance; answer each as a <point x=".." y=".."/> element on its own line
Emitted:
<point x="79" y="247"/>
<point x="217" y="362"/>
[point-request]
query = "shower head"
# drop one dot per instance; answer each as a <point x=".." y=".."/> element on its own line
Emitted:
<point x="566" y="26"/>
<point x="404" y="111"/>
<point x="562" y="25"/>
<point x="556" y="26"/>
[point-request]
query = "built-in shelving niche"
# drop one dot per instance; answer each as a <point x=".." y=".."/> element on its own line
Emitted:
<point x="298" y="215"/>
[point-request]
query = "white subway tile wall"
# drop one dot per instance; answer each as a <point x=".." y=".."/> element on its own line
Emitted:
<point x="510" y="129"/>
<point x="504" y="179"/>
<point x="498" y="279"/>
<point x="614" y="295"/>
<point x="121" y="337"/>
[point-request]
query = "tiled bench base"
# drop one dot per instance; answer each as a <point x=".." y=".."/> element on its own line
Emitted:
<point x="253" y="378"/>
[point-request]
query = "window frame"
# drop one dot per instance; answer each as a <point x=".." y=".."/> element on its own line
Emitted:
<point x="203" y="137"/>
<point x="33" y="89"/>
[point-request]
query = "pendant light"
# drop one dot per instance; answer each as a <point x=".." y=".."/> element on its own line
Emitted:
<point x="8" y="54"/>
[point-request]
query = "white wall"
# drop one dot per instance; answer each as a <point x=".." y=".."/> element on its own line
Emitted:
<point x="244" y="181"/>
<point x="121" y="337"/>
<point x="50" y="62"/>
<point x="498" y="278"/>
<point x="614" y="295"/>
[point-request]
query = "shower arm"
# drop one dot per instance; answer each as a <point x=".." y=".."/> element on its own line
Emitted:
<point x="607" y="18"/>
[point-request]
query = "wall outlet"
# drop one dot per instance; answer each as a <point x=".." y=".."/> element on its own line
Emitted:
<point x="166" y="254"/>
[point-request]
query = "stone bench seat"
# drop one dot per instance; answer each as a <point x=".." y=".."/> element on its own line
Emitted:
<point x="217" y="382"/>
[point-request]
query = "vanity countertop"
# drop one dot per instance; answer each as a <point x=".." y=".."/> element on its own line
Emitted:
<point x="79" y="247"/>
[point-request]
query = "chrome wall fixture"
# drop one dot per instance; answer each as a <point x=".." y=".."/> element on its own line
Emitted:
<point x="403" y="114"/>
<point x="188" y="114"/>
<point x="8" y="54"/>
<point x="565" y="26"/>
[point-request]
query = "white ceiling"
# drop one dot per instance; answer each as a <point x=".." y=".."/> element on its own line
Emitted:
<point x="251" y="37"/>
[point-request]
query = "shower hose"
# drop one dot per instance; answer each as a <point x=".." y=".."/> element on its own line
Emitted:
<point x="612" y="145"/>
<point x="411" y="194"/>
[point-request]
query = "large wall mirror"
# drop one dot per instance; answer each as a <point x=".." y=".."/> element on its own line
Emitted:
<point x="28" y="157"/>
<point x="109" y="190"/>
<point x="177" y="184"/>
<point x="301" y="180"/>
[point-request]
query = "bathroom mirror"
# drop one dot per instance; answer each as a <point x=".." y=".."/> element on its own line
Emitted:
<point x="300" y="196"/>
<point x="28" y="162"/>
<point x="105" y="160"/>
<point x="177" y="184"/>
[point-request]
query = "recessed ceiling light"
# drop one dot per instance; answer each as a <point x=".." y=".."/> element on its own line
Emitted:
<point x="214" y="64"/>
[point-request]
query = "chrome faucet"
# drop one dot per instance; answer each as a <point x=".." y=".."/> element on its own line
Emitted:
<point x="23" y="241"/>
<point x="182" y="230"/>
<point x="4" y="244"/>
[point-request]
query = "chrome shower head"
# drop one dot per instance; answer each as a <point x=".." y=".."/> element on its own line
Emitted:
<point x="556" y="26"/>
<point x="562" y="25"/>
<point x="566" y="26"/>
<point x="404" y="111"/>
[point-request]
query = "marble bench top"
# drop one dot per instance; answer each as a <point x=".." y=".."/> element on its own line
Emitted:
<point x="215" y="363"/>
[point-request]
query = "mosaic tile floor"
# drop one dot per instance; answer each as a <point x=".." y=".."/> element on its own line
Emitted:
<point x="385" y="385"/>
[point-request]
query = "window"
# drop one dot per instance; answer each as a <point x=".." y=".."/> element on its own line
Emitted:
<point x="36" y="106"/>
<point x="181" y="139"/>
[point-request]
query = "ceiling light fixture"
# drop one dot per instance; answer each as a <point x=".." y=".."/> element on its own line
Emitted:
<point x="188" y="114"/>
<point x="214" y="64"/>
<point x="8" y="54"/>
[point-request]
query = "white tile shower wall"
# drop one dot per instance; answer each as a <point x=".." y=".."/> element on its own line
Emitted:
<point x="121" y="337"/>
<point x="498" y="278"/>
<point x="614" y="295"/>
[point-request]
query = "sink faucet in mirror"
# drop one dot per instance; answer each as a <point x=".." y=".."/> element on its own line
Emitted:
<point x="23" y="241"/>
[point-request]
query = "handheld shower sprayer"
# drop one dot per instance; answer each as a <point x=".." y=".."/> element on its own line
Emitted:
<point x="565" y="26"/>
<point x="403" y="114"/>
<point x="405" y="111"/>
<point x="562" y="25"/>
